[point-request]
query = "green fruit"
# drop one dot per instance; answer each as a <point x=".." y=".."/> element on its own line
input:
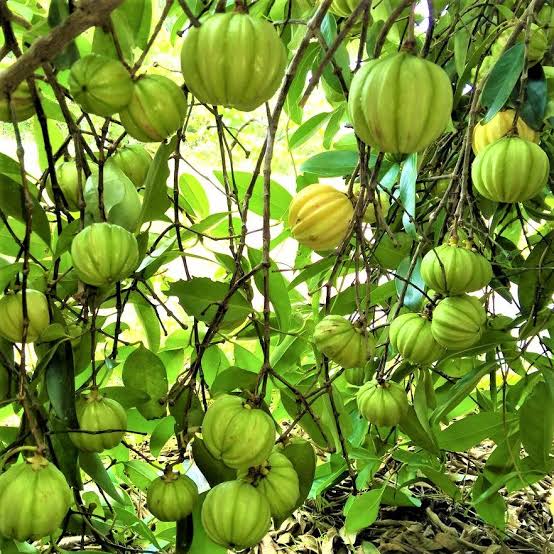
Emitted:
<point x="537" y="47"/>
<point x="342" y="342"/>
<point x="34" y="499"/>
<point x="157" y="109"/>
<point x="400" y="103"/>
<point x="68" y="181"/>
<point x="233" y="60"/>
<point x="11" y="315"/>
<point x="545" y="20"/>
<point x="171" y="497"/>
<point x="236" y="433"/>
<point x="277" y="480"/>
<point x="451" y="269"/>
<point x="510" y="170"/>
<point x="382" y="404"/>
<point x="103" y="254"/>
<point x="384" y="202"/>
<point x="22" y="102"/>
<point x="100" y="85"/>
<point x="458" y="322"/>
<point x="320" y="216"/>
<point x="355" y="376"/>
<point x="235" y="515"/>
<point x="134" y="161"/>
<point x="99" y="414"/>
<point x="411" y="336"/>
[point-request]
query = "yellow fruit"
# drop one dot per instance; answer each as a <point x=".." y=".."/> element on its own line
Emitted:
<point x="498" y="127"/>
<point x="320" y="216"/>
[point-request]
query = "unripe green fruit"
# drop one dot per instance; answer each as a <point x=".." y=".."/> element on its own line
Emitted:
<point x="400" y="103"/>
<point x="342" y="342"/>
<point x="11" y="315"/>
<point x="458" y="322"/>
<point x="451" y="269"/>
<point x="34" y="499"/>
<point x="98" y="414"/>
<point x="134" y="161"/>
<point x="370" y="215"/>
<point x="277" y="480"/>
<point x="171" y="497"/>
<point x="157" y="109"/>
<point x="320" y="216"/>
<point x="100" y="85"/>
<point x="537" y="47"/>
<point x="22" y="102"/>
<point x="236" y="515"/>
<point x="411" y="336"/>
<point x="510" y="170"/>
<point x="355" y="376"/>
<point x="233" y="60"/>
<point x="236" y="433"/>
<point x="68" y="180"/>
<point x="382" y="404"/>
<point x="103" y="254"/>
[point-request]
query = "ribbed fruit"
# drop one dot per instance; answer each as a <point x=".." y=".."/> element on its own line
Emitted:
<point x="22" y="102"/>
<point x="34" y="499"/>
<point x="320" y="216"/>
<point x="355" y="376"/>
<point x="411" y="336"/>
<point x="103" y="254"/>
<point x="342" y="342"/>
<point x="451" y="269"/>
<point x="68" y="180"/>
<point x="134" y="161"/>
<point x="277" y="480"/>
<point x="11" y="315"/>
<point x="100" y="85"/>
<point x="498" y="127"/>
<point x="236" y="515"/>
<point x="536" y="49"/>
<point x="400" y="103"/>
<point x="458" y="322"/>
<point x="98" y="414"/>
<point x="236" y="433"/>
<point x="157" y="109"/>
<point x="382" y="404"/>
<point x="233" y="60"/>
<point x="171" y="497"/>
<point x="510" y="170"/>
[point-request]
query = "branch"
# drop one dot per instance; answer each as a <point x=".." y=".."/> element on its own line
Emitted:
<point x="88" y="14"/>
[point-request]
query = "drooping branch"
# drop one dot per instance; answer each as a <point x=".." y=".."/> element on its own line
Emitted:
<point x="87" y="14"/>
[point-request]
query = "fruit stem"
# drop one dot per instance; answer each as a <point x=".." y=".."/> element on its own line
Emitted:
<point x="240" y="6"/>
<point x="14" y="451"/>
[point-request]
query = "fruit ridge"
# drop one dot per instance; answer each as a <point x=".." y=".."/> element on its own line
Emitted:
<point x="382" y="404"/>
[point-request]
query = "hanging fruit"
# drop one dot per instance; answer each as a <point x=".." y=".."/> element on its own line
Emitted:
<point x="382" y="404"/>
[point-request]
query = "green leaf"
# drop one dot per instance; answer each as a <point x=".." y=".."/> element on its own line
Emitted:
<point x="344" y="302"/>
<point x="280" y="197"/>
<point x="188" y="412"/>
<point x="502" y="79"/>
<point x="407" y="195"/>
<point x="161" y="434"/>
<point x="234" y="378"/>
<point x="103" y="43"/>
<point x="335" y="163"/>
<point x="11" y="203"/>
<point x="140" y="473"/>
<point x="461" y="43"/>
<point x="92" y="465"/>
<point x="491" y="507"/>
<point x="414" y="291"/>
<point x="420" y="436"/>
<point x="278" y="289"/>
<point x="536" y="421"/>
<point x="362" y="510"/>
<point x="145" y="372"/>
<point x="302" y="456"/>
<point x="308" y="129"/>
<point x="292" y="102"/>
<point x="215" y="471"/>
<point x="333" y="126"/>
<point x="533" y="109"/>
<point x="200" y="298"/>
<point x="156" y="201"/>
<point x="126" y="396"/>
<point x="471" y="430"/>
<point x="194" y="197"/>
<point x="536" y="282"/>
